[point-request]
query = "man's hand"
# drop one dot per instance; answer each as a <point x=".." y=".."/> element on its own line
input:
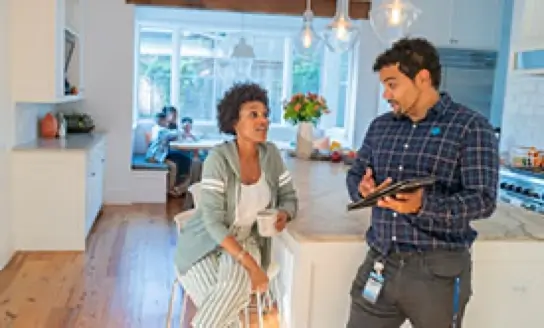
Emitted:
<point x="368" y="185"/>
<point x="405" y="203"/>
<point x="281" y="221"/>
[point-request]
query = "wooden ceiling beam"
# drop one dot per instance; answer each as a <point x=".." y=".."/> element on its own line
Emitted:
<point x="358" y="9"/>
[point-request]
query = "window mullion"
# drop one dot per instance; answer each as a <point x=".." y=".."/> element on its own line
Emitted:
<point x="175" y="71"/>
<point x="287" y="89"/>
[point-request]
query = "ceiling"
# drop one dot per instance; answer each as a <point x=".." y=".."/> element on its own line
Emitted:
<point x="322" y="8"/>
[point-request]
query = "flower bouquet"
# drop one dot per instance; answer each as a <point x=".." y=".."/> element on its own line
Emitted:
<point x="305" y="110"/>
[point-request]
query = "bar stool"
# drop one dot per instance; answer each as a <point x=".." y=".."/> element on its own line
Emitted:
<point x="272" y="296"/>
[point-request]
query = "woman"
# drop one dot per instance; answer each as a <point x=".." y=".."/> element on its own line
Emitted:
<point x="221" y="258"/>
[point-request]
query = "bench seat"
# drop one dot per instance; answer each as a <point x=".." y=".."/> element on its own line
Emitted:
<point x="139" y="163"/>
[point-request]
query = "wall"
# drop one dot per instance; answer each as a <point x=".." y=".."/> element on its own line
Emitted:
<point x="108" y="66"/>
<point x="6" y="128"/>
<point x="523" y="113"/>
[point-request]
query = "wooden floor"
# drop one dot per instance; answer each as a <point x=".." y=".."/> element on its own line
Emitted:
<point x="123" y="280"/>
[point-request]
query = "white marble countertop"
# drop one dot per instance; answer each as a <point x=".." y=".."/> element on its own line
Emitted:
<point x="72" y="142"/>
<point x="323" y="217"/>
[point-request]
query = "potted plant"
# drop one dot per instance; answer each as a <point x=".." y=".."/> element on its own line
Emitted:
<point x="305" y="110"/>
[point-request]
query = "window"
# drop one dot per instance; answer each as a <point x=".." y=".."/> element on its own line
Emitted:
<point x="154" y="71"/>
<point x="306" y="74"/>
<point x="343" y="92"/>
<point x="199" y="80"/>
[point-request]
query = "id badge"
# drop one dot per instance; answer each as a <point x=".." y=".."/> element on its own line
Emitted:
<point x="373" y="286"/>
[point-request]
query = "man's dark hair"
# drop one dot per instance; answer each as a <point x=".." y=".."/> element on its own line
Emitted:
<point x="228" y="109"/>
<point x="169" y="109"/>
<point x="160" y="116"/>
<point x="186" y="119"/>
<point x="412" y="55"/>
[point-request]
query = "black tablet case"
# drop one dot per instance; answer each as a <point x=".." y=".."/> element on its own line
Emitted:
<point x="396" y="188"/>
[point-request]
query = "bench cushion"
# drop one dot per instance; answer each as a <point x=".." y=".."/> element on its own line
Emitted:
<point x="139" y="163"/>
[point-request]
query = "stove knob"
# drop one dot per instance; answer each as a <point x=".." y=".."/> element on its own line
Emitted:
<point x="510" y="187"/>
<point x="503" y="185"/>
<point x="518" y="189"/>
<point x="526" y="192"/>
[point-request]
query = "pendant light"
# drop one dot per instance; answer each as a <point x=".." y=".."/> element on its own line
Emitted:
<point x="341" y="34"/>
<point x="242" y="59"/>
<point x="392" y="19"/>
<point x="307" y="43"/>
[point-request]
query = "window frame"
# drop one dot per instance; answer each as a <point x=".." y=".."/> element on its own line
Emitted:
<point x="328" y="122"/>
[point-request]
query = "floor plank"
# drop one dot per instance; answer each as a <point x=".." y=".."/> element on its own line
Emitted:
<point x="123" y="280"/>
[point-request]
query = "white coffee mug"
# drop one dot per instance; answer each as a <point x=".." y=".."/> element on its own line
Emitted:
<point x="266" y="222"/>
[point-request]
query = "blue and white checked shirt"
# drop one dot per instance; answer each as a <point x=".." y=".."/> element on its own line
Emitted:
<point x="456" y="145"/>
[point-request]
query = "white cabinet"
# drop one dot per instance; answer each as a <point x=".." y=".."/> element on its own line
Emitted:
<point x="465" y="24"/>
<point x="57" y="192"/>
<point x="46" y="50"/>
<point x="528" y="25"/>
<point x="476" y="24"/>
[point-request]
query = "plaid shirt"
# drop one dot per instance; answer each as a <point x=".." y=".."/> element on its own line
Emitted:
<point x="454" y="144"/>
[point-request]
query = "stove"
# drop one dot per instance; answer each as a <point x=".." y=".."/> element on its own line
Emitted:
<point x="522" y="188"/>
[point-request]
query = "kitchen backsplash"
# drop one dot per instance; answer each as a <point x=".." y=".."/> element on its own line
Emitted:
<point x="27" y="121"/>
<point x="523" y="114"/>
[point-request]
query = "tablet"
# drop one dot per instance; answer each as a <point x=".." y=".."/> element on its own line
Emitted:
<point x="395" y="188"/>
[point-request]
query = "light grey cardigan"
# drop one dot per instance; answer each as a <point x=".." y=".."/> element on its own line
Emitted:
<point x="204" y="232"/>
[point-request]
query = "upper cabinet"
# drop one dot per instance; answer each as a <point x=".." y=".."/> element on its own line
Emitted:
<point x="527" y="38"/>
<point x="528" y="25"/>
<point x="46" y="42"/>
<point x="465" y="24"/>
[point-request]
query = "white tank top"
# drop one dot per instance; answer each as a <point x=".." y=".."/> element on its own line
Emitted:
<point x="253" y="198"/>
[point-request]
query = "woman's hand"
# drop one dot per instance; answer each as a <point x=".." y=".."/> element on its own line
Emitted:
<point x="259" y="280"/>
<point x="281" y="220"/>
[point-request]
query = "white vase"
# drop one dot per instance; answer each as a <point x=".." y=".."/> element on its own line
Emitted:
<point x="305" y="138"/>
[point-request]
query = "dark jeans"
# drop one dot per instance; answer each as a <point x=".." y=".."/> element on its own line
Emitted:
<point x="418" y="287"/>
<point x="183" y="160"/>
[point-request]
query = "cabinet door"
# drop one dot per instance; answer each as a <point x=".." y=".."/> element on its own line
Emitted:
<point x="532" y="25"/>
<point x="476" y="24"/>
<point x="433" y="22"/>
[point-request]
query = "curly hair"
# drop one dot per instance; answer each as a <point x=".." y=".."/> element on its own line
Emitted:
<point x="228" y="109"/>
<point x="412" y="55"/>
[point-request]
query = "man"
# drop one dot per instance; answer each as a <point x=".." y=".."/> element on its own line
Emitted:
<point x="419" y="265"/>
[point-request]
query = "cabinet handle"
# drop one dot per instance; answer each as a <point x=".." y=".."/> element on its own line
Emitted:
<point x="93" y="174"/>
<point x="103" y="160"/>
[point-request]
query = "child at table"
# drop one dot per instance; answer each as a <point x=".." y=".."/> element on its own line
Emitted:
<point x="159" y="152"/>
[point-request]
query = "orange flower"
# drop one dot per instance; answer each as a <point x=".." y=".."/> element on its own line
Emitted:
<point x="297" y="107"/>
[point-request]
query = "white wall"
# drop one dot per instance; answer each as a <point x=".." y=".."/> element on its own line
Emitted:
<point x="6" y="137"/>
<point x="108" y="66"/>
<point x="523" y="111"/>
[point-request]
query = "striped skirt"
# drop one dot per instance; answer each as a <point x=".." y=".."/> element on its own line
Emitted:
<point x="220" y="288"/>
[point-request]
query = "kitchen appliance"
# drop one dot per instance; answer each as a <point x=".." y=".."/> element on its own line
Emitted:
<point x="468" y="75"/>
<point x="78" y="123"/>
<point x="522" y="188"/>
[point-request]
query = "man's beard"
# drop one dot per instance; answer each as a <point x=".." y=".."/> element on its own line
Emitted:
<point x="399" y="112"/>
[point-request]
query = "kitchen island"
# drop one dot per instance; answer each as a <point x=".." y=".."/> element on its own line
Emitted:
<point x="320" y="252"/>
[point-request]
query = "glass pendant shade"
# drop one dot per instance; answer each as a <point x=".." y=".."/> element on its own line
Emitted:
<point x="307" y="43"/>
<point x="242" y="59"/>
<point x="392" y="19"/>
<point x="341" y="34"/>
